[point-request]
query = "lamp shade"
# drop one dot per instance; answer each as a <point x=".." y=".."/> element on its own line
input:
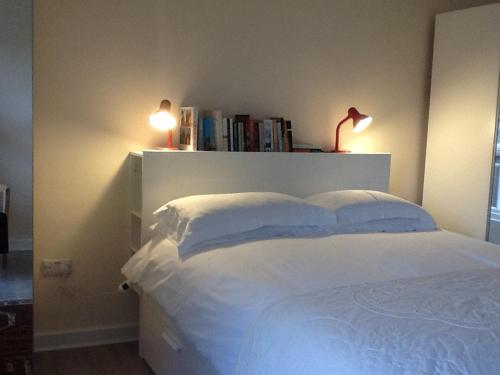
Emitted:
<point x="163" y="119"/>
<point x="360" y="121"/>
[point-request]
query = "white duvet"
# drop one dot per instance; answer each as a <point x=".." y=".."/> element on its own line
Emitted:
<point x="448" y="324"/>
<point x="218" y="296"/>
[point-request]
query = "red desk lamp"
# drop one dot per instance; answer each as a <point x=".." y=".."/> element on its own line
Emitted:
<point x="164" y="121"/>
<point x="360" y="123"/>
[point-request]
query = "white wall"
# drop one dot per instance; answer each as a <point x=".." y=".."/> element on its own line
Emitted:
<point x="15" y="117"/>
<point x="102" y="67"/>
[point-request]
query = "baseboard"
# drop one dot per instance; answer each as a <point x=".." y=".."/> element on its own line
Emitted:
<point x="46" y="341"/>
<point x="20" y="244"/>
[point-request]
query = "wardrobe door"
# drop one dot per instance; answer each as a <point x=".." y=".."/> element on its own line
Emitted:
<point x="462" y="119"/>
<point x="494" y="218"/>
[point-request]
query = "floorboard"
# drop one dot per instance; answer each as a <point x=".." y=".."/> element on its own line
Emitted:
<point x="113" y="359"/>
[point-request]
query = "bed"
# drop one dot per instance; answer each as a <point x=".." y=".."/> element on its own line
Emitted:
<point x="423" y="302"/>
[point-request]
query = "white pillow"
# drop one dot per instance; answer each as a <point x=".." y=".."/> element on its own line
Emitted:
<point x="193" y="221"/>
<point x="373" y="211"/>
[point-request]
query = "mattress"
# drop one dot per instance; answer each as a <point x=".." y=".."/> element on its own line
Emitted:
<point x="216" y="296"/>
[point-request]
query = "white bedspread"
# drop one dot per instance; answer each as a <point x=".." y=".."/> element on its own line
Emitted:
<point x="442" y="325"/>
<point x="215" y="296"/>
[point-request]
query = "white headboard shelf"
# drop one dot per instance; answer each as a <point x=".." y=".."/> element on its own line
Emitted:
<point x="160" y="176"/>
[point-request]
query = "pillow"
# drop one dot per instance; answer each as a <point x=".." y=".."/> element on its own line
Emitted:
<point x="193" y="221"/>
<point x="373" y="211"/>
<point x="262" y="233"/>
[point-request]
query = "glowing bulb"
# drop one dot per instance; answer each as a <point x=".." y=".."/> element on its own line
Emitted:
<point x="162" y="120"/>
<point x="362" y="124"/>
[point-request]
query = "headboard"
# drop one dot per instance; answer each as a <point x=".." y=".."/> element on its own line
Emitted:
<point x="167" y="175"/>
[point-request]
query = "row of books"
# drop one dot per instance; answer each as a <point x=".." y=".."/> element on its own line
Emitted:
<point x="213" y="132"/>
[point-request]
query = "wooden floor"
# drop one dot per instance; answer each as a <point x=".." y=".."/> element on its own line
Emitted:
<point x="113" y="359"/>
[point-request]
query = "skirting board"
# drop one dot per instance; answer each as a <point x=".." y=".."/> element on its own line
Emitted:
<point x="86" y="337"/>
<point x="21" y="244"/>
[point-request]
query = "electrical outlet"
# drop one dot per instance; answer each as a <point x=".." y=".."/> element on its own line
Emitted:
<point x="57" y="267"/>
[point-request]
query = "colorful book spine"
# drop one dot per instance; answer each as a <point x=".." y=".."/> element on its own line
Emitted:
<point x="209" y="140"/>
<point x="212" y="132"/>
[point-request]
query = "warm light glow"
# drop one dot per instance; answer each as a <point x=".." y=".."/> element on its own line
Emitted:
<point x="363" y="144"/>
<point x="162" y="120"/>
<point x="362" y="124"/>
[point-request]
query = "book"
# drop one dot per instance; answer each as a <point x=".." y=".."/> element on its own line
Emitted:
<point x="306" y="147"/>
<point x="230" y="127"/>
<point x="188" y="130"/>
<point x="257" y="135"/>
<point x="289" y="135"/>
<point x="261" y="136"/>
<point x="217" y="129"/>
<point x="268" y="135"/>
<point x="236" y="138"/>
<point x="209" y="140"/>
<point x="241" y="136"/>
<point x="212" y="132"/>
<point x="286" y="145"/>
<point x="279" y="134"/>
<point x="275" y="136"/>
<point x="252" y="140"/>
<point x="282" y="134"/>
<point x="240" y="121"/>
<point x="225" y="134"/>
<point x="201" y="139"/>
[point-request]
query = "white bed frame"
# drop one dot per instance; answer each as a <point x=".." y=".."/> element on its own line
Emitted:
<point x="164" y="176"/>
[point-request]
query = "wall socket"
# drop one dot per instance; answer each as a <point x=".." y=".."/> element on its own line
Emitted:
<point x="57" y="267"/>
